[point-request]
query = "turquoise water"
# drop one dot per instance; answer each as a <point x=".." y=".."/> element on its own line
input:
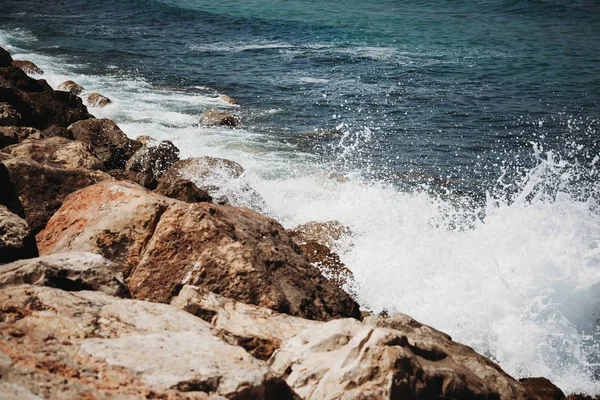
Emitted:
<point x="465" y="158"/>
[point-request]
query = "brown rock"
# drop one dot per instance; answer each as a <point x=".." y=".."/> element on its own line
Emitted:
<point x="329" y="264"/>
<point x="153" y="161"/>
<point x="16" y="134"/>
<point x="8" y="115"/>
<point x="97" y="100"/>
<point x="70" y="86"/>
<point x="228" y="99"/>
<point x="5" y="58"/>
<point x="58" y="131"/>
<point x="219" y="118"/>
<point x="16" y="240"/>
<point x="36" y="191"/>
<point x="20" y="80"/>
<point x="27" y="66"/>
<point x="165" y="243"/>
<point x="324" y="233"/>
<point x="135" y="177"/>
<point x="184" y="190"/>
<point x="108" y="141"/>
<point x="146" y="140"/>
<point x="542" y="389"/>
<point x="57" y="152"/>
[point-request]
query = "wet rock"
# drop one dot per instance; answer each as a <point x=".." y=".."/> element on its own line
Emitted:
<point x="67" y="271"/>
<point x="38" y="190"/>
<point x="135" y="177"/>
<point x="219" y="118"/>
<point x="329" y="264"/>
<point x="349" y="360"/>
<point x="163" y="244"/>
<point x="5" y="58"/>
<point x="154" y="160"/>
<point x="97" y="100"/>
<point x="71" y="87"/>
<point x="57" y="131"/>
<point x="8" y="115"/>
<point x="184" y="190"/>
<point x="57" y="152"/>
<point x="542" y="389"/>
<point x="57" y="108"/>
<point x="324" y="233"/>
<point x="27" y="67"/>
<point x="259" y="330"/>
<point x="228" y="99"/>
<point x="76" y="345"/>
<point x="108" y="141"/>
<point x="146" y="140"/>
<point x="16" y="240"/>
<point x="20" y="80"/>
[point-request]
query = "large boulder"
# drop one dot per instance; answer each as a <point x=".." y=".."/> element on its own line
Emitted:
<point x="219" y="118"/>
<point x="20" y="80"/>
<point x="68" y="271"/>
<point x="153" y="160"/>
<point x="35" y="191"/>
<point x="345" y="359"/>
<point x="97" y="100"/>
<point x="57" y="152"/>
<point x="27" y="67"/>
<point x="163" y="244"/>
<point x="108" y="141"/>
<point x="9" y="116"/>
<point x="16" y="240"/>
<point x="71" y="87"/>
<point x="184" y="190"/>
<point x="75" y="345"/>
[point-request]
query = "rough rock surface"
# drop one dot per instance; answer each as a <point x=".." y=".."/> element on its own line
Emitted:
<point x="136" y="177"/>
<point x="218" y="118"/>
<point x="228" y="99"/>
<point x="163" y="244"/>
<point x="67" y="271"/>
<point x="153" y="160"/>
<point x="542" y="389"/>
<point x="35" y="191"/>
<point x="9" y="116"/>
<point x="97" y="100"/>
<point x="60" y="131"/>
<point x="84" y="345"/>
<point x="184" y="190"/>
<point x="10" y="135"/>
<point x="108" y="141"/>
<point x="57" y="152"/>
<point x="329" y="264"/>
<point x="16" y="240"/>
<point x="324" y="233"/>
<point x="27" y="66"/>
<point x="259" y="330"/>
<point x="345" y="359"/>
<point x="70" y="86"/>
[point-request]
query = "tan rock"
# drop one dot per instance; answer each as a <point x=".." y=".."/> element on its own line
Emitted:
<point x="219" y="118"/>
<point x="10" y="135"/>
<point x="97" y="100"/>
<point x="184" y="190"/>
<point x="146" y="140"/>
<point x="16" y="240"/>
<point x="57" y="152"/>
<point x="228" y="99"/>
<point x="27" y="66"/>
<point x="324" y="233"/>
<point x="70" y="86"/>
<point x="75" y="345"/>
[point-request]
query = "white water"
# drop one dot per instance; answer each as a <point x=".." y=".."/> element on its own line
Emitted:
<point x="521" y="285"/>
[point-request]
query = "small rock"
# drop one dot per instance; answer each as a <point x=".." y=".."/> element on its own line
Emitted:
<point x="153" y="161"/>
<point x="67" y="271"/>
<point x="146" y="140"/>
<point x="218" y="118"/>
<point x="228" y="99"/>
<point x="70" y="86"/>
<point x="8" y="115"/>
<point x="184" y="190"/>
<point x="27" y="67"/>
<point x="97" y="100"/>
<point x="16" y="240"/>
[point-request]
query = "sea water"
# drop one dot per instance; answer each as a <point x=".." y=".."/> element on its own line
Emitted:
<point x="462" y="145"/>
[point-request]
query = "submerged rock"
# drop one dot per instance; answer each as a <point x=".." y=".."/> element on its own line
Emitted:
<point x="219" y="118"/>
<point x="27" y="67"/>
<point x="16" y="239"/>
<point x="71" y="87"/>
<point x="97" y="100"/>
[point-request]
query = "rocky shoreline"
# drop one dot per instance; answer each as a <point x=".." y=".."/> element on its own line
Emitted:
<point x="127" y="274"/>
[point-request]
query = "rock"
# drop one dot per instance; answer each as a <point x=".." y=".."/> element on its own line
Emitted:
<point x="581" y="396"/>
<point x="228" y="99"/>
<point x="58" y="131"/>
<point x="146" y="140"/>
<point x="330" y="265"/>
<point x="137" y="177"/>
<point x="84" y="345"/>
<point x="20" y="80"/>
<point x="221" y="178"/>
<point x="5" y="58"/>
<point x="27" y="67"/>
<point x="35" y="191"/>
<point x="108" y="141"/>
<point x="67" y="271"/>
<point x="259" y="330"/>
<point x="163" y="244"/>
<point x="324" y="233"/>
<point x="10" y="135"/>
<point x="184" y="190"/>
<point x="153" y="161"/>
<point x="16" y="240"/>
<point x="97" y="100"/>
<point x="57" y="152"/>
<point x="344" y="359"/>
<point x="542" y="389"/>
<point x="71" y="87"/>
<point x="8" y="115"/>
<point x="57" y="108"/>
<point x="219" y="118"/>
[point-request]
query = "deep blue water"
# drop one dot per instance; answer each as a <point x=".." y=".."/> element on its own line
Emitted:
<point x="453" y="89"/>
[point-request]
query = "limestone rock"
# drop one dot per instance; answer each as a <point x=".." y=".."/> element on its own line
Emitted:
<point x="70" y="86"/>
<point x="74" y="345"/>
<point x="8" y="115"/>
<point x="97" y="100"/>
<point x="259" y="330"/>
<point x="163" y="244"/>
<point x="67" y="271"/>
<point x="108" y="141"/>
<point x="16" y="240"/>
<point x="184" y="190"/>
<point x="36" y="191"/>
<point x="154" y="160"/>
<point x="57" y="152"/>
<point x="228" y="99"/>
<point x="344" y="359"/>
<point x="219" y="118"/>
<point x="27" y="67"/>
